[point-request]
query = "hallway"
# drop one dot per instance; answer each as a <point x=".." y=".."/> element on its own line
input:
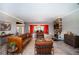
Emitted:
<point x="60" y="48"/>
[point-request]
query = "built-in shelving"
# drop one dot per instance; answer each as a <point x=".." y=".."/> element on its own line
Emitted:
<point x="57" y="27"/>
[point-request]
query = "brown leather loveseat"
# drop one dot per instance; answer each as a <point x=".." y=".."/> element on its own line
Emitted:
<point x="21" y="41"/>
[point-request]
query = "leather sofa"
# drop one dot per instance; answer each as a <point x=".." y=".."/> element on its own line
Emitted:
<point x="18" y="41"/>
<point x="71" y="39"/>
<point x="26" y="38"/>
<point x="21" y="41"/>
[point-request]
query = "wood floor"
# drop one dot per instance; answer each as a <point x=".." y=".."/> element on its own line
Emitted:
<point x="60" y="48"/>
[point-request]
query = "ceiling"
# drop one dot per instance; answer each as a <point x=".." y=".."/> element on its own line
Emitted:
<point x="38" y="12"/>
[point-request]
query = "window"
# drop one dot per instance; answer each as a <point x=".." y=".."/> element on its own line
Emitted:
<point x="20" y="30"/>
<point x="38" y="28"/>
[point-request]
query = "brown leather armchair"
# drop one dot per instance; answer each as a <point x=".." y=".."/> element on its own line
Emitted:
<point x="44" y="47"/>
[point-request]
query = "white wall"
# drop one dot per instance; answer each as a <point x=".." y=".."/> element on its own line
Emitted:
<point x="6" y="18"/>
<point x="71" y="23"/>
<point x="13" y="27"/>
<point x="26" y="27"/>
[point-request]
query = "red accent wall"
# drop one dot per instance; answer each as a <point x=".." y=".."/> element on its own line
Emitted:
<point x="46" y="28"/>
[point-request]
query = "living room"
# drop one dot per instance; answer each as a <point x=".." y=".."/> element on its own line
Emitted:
<point x="23" y="25"/>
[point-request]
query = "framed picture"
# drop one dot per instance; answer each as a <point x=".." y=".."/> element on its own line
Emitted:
<point x="5" y="26"/>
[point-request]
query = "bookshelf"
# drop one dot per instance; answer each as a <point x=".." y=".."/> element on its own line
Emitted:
<point x="57" y="27"/>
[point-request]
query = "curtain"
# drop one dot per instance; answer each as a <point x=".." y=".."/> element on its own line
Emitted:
<point x="31" y="28"/>
<point x="46" y="29"/>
